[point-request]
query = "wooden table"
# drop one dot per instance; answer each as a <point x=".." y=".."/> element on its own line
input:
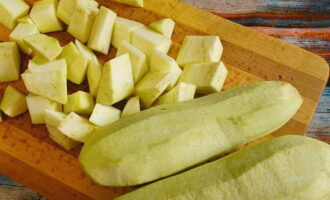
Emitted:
<point x="305" y="23"/>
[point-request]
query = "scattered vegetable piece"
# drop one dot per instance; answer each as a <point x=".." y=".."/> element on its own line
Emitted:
<point x="54" y="118"/>
<point x="137" y="57"/>
<point x="39" y="59"/>
<point x="80" y="103"/>
<point x="208" y="78"/>
<point x="94" y="74"/>
<point x="26" y="20"/>
<point x="11" y="10"/>
<point x="10" y="61"/>
<point x="21" y="31"/>
<point x="132" y="106"/>
<point x="181" y="92"/>
<point x="85" y="50"/>
<point x="137" y="3"/>
<point x="164" y="27"/>
<point x="117" y="81"/>
<point x="13" y="102"/>
<point x="57" y="136"/>
<point x="200" y="49"/>
<point x="104" y="115"/>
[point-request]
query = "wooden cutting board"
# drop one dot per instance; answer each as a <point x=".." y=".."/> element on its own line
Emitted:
<point x="28" y="155"/>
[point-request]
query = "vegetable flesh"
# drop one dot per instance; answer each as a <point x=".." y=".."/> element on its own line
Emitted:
<point x="164" y="27"/>
<point x="21" y="31"/>
<point x="11" y="10"/>
<point x="287" y="167"/>
<point x="13" y="102"/>
<point x="169" y="138"/>
<point x="10" y="61"/>
<point x="104" y="115"/>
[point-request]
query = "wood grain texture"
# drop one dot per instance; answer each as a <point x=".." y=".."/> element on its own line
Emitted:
<point x="31" y="158"/>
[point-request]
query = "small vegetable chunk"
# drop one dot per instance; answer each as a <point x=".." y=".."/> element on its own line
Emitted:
<point x="38" y="105"/>
<point x="13" y="102"/>
<point x="117" y="81"/>
<point x="43" y="14"/>
<point x="208" y="78"/>
<point x="101" y="33"/>
<point x="76" y="127"/>
<point x="138" y="59"/>
<point x="200" y="49"/>
<point x="82" y="21"/>
<point x="148" y="40"/>
<point x="94" y="74"/>
<point x="122" y="30"/>
<point x="164" y="27"/>
<point x="11" y="10"/>
<point x="132" y="106"/>
<point x="160" y="62"/>
<point x="137" y="3"/>
<point x="21" y="31"/>
<point x="10" y="61"/>
<point x="25" y="20"/>
<point x="46" y="46"/>
<point x="80" y="103"/>
<point x="54" y="118"/>
<point x="104" y="115"/>
<point x="181" y="92"/>
<point x="152" y="86"/>
<point x="89" y="55"/>
<point x="39" y="59"/>
<point x="48" y="80"/>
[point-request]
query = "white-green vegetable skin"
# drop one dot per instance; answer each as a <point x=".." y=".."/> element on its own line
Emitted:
<point x="284" y="168"/>
<point x="167" y="139"/>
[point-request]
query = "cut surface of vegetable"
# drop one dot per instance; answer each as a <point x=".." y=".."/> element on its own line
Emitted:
<point x="164" y="27"/>
<point x="11" y="10"/>
<point x="13" y="102"/>
<point x="132" y="106"/>
<point x="44" y="45"/>
<point x="10" y="61"/>
<point x="101" y="32"/>
<point x="122" y="30"/>
<point x="57" y="136"/>
<point x="137" y="57"/>
<point x="208" y="78"/>
<point x="38" y="105"/>
<point x="152" y="86"/>
<point x="21" y="31"/>
<point x="82" y="21"/>
<point x="148" y="40"/>
<point x="80" y="103"/>
<point x="76" y="127"/>
<point x="137" y="3"/>
<point x="181" y="92"/>
<point x="54" y="118"/>
<point x="48" y="80"/>
<point x="39" y="59"/>
<point x="94" y="74"/>
<point x="104" y="115"/>
<point x="117" y="81"/>
<point x="25" y="20"/>
<point x="84" y="50"/>
<point x="200" y="49"/>
<point x="43" y="14"/>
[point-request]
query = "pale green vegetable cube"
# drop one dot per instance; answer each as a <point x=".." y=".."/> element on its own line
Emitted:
<point x="54" y="118"/>
<point x="25" y="20"/>
<point x="21" y="31"/>
<point x="122" y="30"/>
<point x="132" y="106"/>
<point x="148" y="40"/>
<point x="76" y="127"/>
<point x="85" y="50"/>
<point x="43" y="14"/>
<point x="57" y="136"/>
<point x="117" y="81"/>
<point x="82" y="21"/>
<point x="200" y="49"/>
<point x="104" y="115"/>
<point x="13" y="102"/>
<point x="10" y="61"/>
<point x="160" y="62"/>
<point x="138" y="59"/>
<point x="80" y="103"/>
<point x="181" y="92"/>
<point x="94" y="74"/>
<point x="70" y="53"/>
<point x="32" y="64"/>
<point x="48" y="80"/>
<point x="152" y="86"/>
<point x="164" y="27"/>
<point x="46" y="46"/>
<point x="101" y="33"/>
<point x="208" y="78"/>
<point x="137" y="3"/>
<point x="11" y="10"/>
<point x="38" y="105"/>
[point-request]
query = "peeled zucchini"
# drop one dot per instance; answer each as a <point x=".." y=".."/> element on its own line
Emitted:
<point x="11" y="10"/>
<point x="104" y="115"/>
<point x="21" y="31"/>
<point x="13" y="102"/>
<point x="132" y="106"/>
<point x="80" y="102"/>
<point x="10" y="61"/>
<point x="169" y="138"/>
<point x="287" y="167"/>
<point x="164" y="27"/>
<point x="94" y="74"/>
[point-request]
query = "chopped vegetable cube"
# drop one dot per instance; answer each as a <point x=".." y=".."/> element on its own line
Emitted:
<point x="132" y="106"/>
<point x="21" y="31"/>
<point x="164" y="27"/>
<point x="80" y="103"/>
<point x="104" y="115"/>
<point x="13" y="102"/>
<point x="11" y="10"/>
<point x="181" y="92"/>
<point x="10" y="61"/>
<point x="54" y="118"/>
<point x="94" y="74"/>
<point x="57" y="136"/>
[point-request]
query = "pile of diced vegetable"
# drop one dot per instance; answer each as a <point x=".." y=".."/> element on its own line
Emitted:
<point x="141" y="73"/>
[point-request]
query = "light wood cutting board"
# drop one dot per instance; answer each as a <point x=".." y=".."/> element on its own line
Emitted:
<point x="28" y="156"/>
